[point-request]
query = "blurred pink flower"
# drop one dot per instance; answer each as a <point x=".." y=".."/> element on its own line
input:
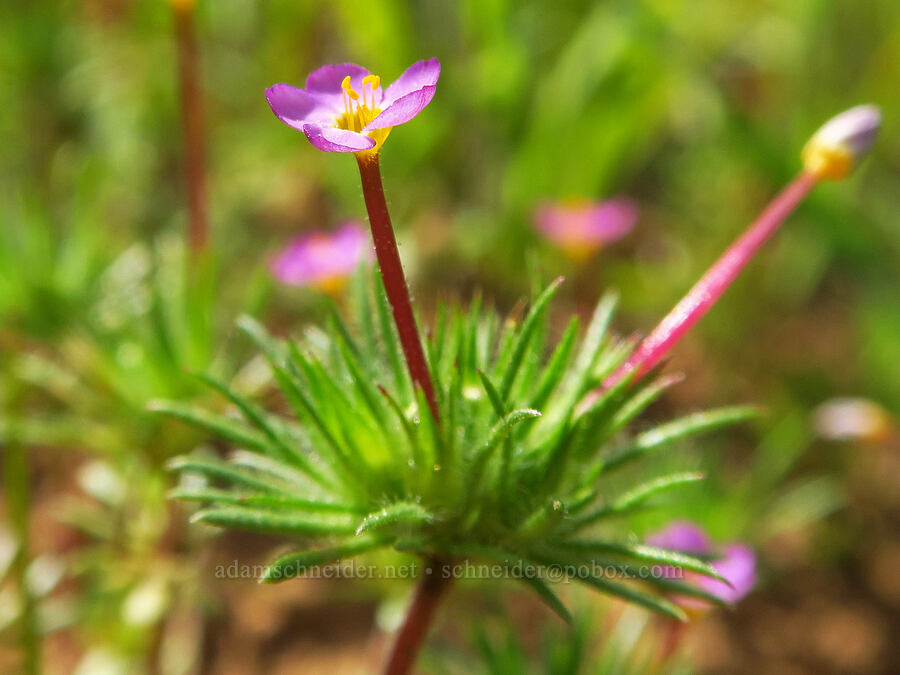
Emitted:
<point x="323" y="260"/>
<point x="579" y="230"/>
<point x="735" y="562"/>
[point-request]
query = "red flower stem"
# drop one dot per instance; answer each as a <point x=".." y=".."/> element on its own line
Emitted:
<point x="192" y="128"/>
<point x="392" y="274"/>
<point x="414" y="630"/>
<point x="715" y="282"/>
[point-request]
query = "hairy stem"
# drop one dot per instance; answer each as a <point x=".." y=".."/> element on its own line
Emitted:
<point x="707" y="291"/>
<point x="192" y="127"/>
<point x="432" y="586"/>
<point x="392" y="274"/>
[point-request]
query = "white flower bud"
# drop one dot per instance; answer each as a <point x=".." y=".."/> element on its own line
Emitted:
<point x="837" y="147"/>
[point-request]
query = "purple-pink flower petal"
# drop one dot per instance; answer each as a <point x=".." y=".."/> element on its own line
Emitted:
<point x="322" y="258"/>
<point x="296" y="107"/>
<point x="586" y="227"/>
<point x="327" y="79"/>
<point x="419" y="75"/>
<point x="403" y="109"/>
<point x="332" y="139"/>
<point x="681" y="536"/>
<point x="738" y="566"/>
<point x="735" y="562"/>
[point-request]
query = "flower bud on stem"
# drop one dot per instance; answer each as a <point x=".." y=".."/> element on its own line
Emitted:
<point x="714" y="283"/>
<point x="832" y="153"/>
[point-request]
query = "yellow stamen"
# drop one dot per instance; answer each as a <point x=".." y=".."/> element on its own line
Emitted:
<point x="359" y="112"/>
<point x="345" y="85"/>
<point x="373" y="80"/>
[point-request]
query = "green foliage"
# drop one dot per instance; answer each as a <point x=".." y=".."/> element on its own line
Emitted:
<point x="353" y="461"/>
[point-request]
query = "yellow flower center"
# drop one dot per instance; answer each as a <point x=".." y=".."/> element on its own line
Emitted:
<point x="360" y="109"/>
<point x="827" y="160"/>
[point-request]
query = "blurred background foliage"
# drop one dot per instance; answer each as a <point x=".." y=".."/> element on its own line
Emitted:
<point x="697" y="110"/>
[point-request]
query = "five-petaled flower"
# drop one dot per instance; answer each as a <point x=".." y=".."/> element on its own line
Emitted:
<point x="734" y="562"/>
<point x="580" y="229"/>
<point x="343" y="107"/>
<point x="321" y="259"/>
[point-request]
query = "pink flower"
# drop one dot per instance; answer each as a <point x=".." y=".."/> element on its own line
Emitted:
<point x="344" y="109"/>
<point x="579" y="230"/>
<point x="321" y="259"/>
<point x="735" y="562"/>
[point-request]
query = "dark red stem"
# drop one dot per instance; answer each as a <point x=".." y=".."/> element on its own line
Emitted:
<point x="392" y="275"/>
<point x="432" y="586"/>
<point x="192" y="128"/>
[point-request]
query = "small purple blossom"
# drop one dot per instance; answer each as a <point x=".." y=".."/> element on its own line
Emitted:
<point x="322" y="259"/>
<point x="580" y="229"/>
<point x="343" y="107"/>
<point x="735" y="562"/>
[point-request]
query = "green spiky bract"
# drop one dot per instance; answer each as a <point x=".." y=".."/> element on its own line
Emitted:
<point x="521" y="470"/>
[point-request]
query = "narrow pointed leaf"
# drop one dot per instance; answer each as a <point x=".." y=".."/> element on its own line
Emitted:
<point x="258" y="520"/>
<point x="556" y="367"/>
<point x="231" y="430"/>
<point x="296" y="564"/>
<point x="643" y="553"/>
<point x="545" y="593"/>
<point x="227" y="473"/>
<point x="406" y="514"/>
<point x="636" y="497"/>
<point x="524" y="337"/>
<point x="619" y="589"/>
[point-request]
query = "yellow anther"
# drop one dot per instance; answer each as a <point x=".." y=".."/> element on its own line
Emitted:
<point x="375" y="82"/>
<point x="345" y="85"/>
<point x="358" y="113"/>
